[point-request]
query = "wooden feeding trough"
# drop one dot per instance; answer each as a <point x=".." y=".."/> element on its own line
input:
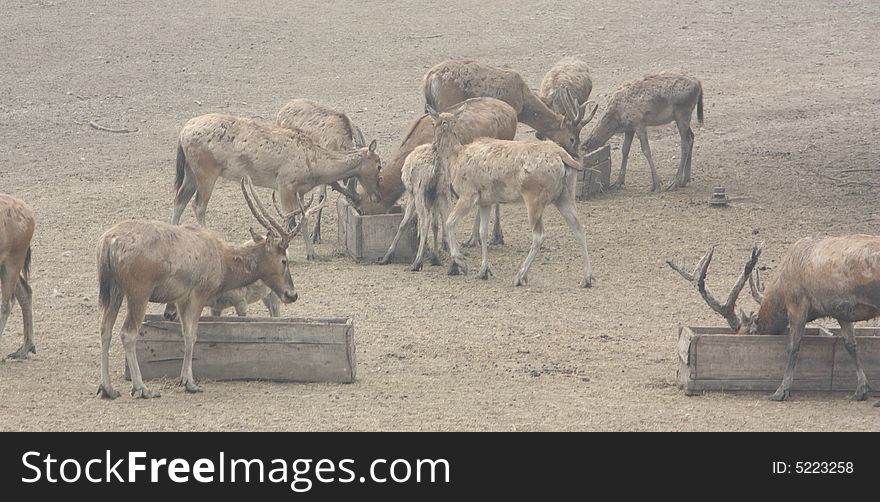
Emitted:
<point x="248" y="348"/>
<point x="718" y="359"/>
<point x="366" y="238"/>
<point x="591" y="182"/>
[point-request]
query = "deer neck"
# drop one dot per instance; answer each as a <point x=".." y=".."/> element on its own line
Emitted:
<point x="538" y="115"/>
<point x="600" y="134"/>
<point x="241" y="265"/>
<point x="446" y="148"/>
<point x="333" y="166"/>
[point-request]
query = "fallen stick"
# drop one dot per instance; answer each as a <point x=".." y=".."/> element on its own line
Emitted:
<point x="99" y="127"/>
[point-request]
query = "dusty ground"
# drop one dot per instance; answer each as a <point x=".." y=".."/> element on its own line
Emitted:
<point x="791" y="90"/>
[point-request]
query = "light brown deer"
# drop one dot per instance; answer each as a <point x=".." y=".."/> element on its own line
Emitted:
<point x="150" y="261"/>
<point x="481" y="117"/>
<point x="217" y="145"/>
<point x="327" y="128"/>
<point x="837" y="277"/>
<point x="491" y="171"/>
<point x="454" y="81"/>
<point x="239" y="299"/>
<point x="567" y="75"/>
<point x="16" y="231"/>
<point x="651" y="101"/>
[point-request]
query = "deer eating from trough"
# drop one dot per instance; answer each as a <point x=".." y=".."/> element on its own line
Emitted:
<point x="150" y="261"/>
<point x="16" y="231"/>
<point x="837" y="277"/>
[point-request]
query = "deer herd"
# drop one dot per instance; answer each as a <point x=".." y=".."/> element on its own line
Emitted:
<point x="460" y="155"/>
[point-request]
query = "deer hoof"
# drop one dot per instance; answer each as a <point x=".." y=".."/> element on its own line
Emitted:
<point x="143" y="393"/>
<point x="485" y="273"/>
<point x="170" y="313"/>
<point x="457" y="267"/>
<point x="617" y="185"/>
<point x="22" y="353"/>
<point x="191" y="387"/>
<point x="587" y="282"/>
<point x="311" y="256"/>
<point x="877" y="404"/>
<point x="415" y="267"/>
<point x="497" y="240"/>
<point x="861" y="393"/>
<point x="385" y="260"/>
<point x="435" y="260"/>
<point x="107" y="392"/>
<point x="780" y="395"/>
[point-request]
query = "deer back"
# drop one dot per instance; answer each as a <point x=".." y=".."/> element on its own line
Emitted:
<point x="569" y="74"/>
<point x="323" y="125"/>
<point x="16" y="228"/>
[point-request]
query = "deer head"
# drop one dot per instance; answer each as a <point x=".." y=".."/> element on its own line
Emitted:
<point x="574" y="118"/>
<point x="738" y="320"/>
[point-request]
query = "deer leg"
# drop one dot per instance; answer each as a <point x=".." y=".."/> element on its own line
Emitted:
<point x="316" y="234"/>
<point x="137" y="305"/>
<point x="182" y="197"/>
<point x="215" y="311"/>
<point x="475" y="233"/>
<point x="847" y="329"/>
<point x="459" y="211"/>
<point x="435" y="227"/>
<point x="273" y="303"/>
<point x="24" y="295"/>
<point x="310" y="249"/>
<point x="109" y="313"/>
<point x="624" y="156"/>
<point x="798" y="322"/>
<point x="189" y="322"/>
<point x="497" y="234"/>
<point x="424" y="226"/>
<point x="536" y="212"/>
<point x="408" y="214"/>
<point x="656" y="183"/>
<point x="690" y="157"/>
<point x="241" y="307"/>
<point x="681" y="175"/>
<point x="566" y="208"/>
<point x="203" y="195"/>
<point x="485" y="213"/>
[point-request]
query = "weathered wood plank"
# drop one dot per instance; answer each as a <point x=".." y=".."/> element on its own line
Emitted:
<point x="236" y="348"/>
<point x="716" y="359"/>
<point x="366" y="238"/>
<point x="591" y="182"/>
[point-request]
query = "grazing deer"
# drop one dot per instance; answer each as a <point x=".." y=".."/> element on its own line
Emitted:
<point x="481" y="117"/>
<point x="454" y="81"/>
<point x="651" y="101"/>
<point x="567" y="75"/>
<point x="327" y="128"/>
<point x="217" y="145"/>
<point x="16" y="231"/>
<point x="491" y="171"/>
<point x="150" y="261"/>
<point x="837" y="277"/>
<point x="239" y="299"/>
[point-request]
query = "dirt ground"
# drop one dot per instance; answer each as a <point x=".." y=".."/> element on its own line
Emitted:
<point x="792" y="96"/>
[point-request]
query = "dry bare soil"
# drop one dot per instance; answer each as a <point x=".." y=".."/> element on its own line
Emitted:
<point x="792" y="101"/>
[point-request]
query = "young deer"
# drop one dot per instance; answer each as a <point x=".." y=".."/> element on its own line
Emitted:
<point x="239" y="299"/>
<point x="329" y="129"/>
<point x="837" y="277"/>
<point x="217" y="145"/>
<point x="16" y="232"/>
<point x="490" y="171"/>
<point x="454" y="81"/>
<point x="651" y="101"/>
<point x="150" y="261"/>
<point x="481" y="117"/>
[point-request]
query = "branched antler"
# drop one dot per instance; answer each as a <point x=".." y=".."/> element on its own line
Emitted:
<point x="756" y="285"/>
<point x="727" y="310"/>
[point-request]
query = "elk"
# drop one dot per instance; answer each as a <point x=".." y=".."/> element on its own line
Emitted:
<point x="216" y="145"/>
<point x="837" y="277"/>
<point x="327" y="128"/>
<point x="654" y="100"/>
<point x="481" y="117"/>
<point x="16" y="231"/>
<point x="454" y="81"/>
<point x="150" y="261"/>
<point x="492" y="171"/>
<point x="567" y="75"/>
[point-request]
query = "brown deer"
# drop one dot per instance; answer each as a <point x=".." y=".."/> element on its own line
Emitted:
<point x="217" y="145"/>
<point x="16" y="231"/>
<point x="651" y="101"/>
<point x="454" y="81"/>
<point x="328" y="128"/>
<point x="150" y="261"/>
<point x="481" y="117"/>
<point x="567" y="75"/>
<point x="239" y="299"/>
<point x="491" y="171"/>
<point x="837" y="277"/>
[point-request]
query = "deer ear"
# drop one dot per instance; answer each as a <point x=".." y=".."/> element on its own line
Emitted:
<point x="255" y="236"/>
<point x="458" y="112"/>
<point x="373" y="145"/>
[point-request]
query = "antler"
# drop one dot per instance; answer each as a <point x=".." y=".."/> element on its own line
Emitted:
<point x="289" y="218"/>
<point x="306" y="211"/>
<point x="257" y="209"/>
<point x="583" y="111"/>
<point x="698" y="278"/>
<point x="756" y="285"/>
<point x="570" y="106"/>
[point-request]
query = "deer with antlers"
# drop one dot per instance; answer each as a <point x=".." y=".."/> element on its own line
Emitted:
<point x="217" y="145"/>
<point x="16" y="231"/>
<point x="149" y="261"/>
<point x="837" y="277"/>
<point x="651" y="101"/>
<point x="568" y="75"/>
<point x="329" y="129"/>
<point x="454" y="81"/>
<point x="491" y="171"/>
